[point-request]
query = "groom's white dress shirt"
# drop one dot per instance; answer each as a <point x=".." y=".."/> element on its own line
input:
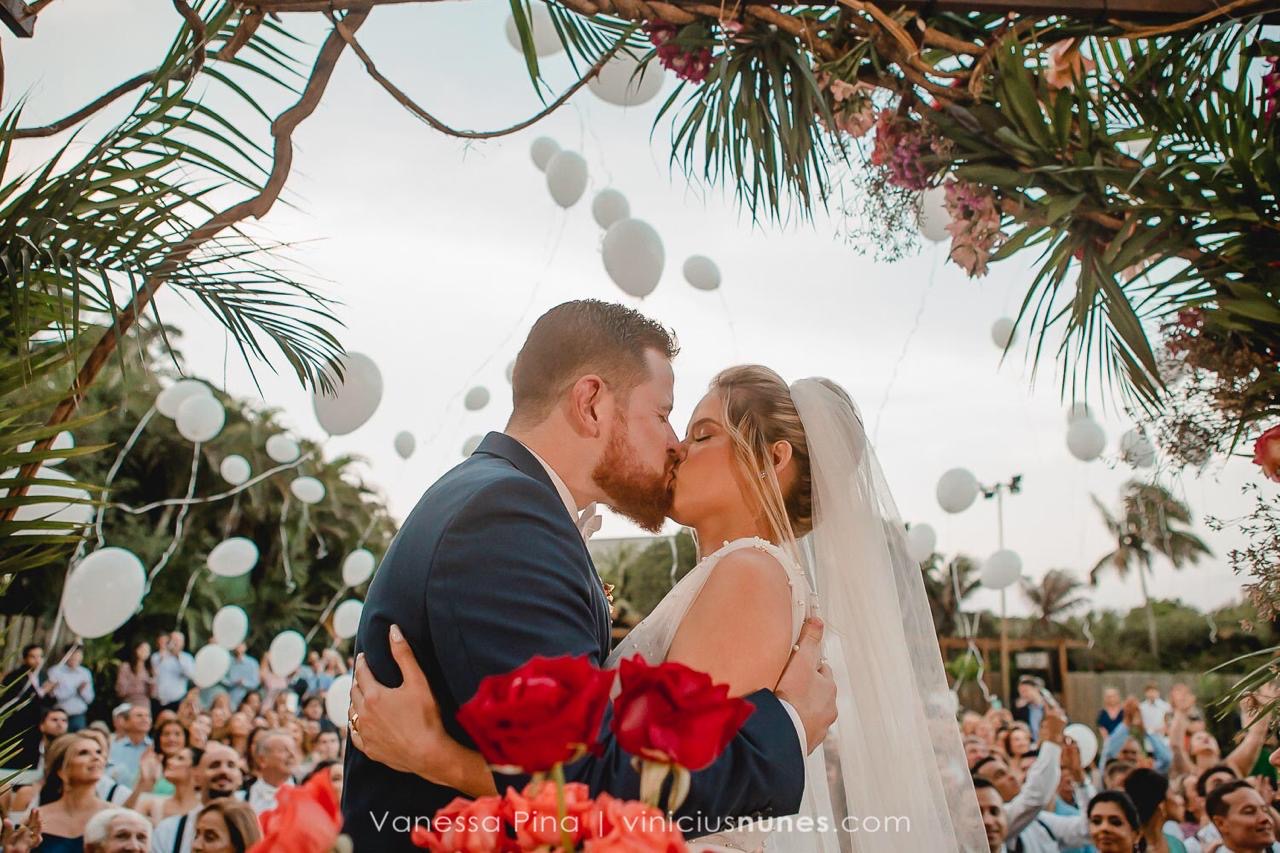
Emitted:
<point x="588" y="521"/>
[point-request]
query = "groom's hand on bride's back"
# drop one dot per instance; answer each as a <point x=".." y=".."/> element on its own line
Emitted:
<point x="807" y="685"/>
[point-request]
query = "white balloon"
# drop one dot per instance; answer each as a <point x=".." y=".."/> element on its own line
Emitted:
<point x="357" y="567"/>
<point x="346" y="618"/>
<point x="934" y="217"/>
<point x="286" y="652"/>
<point x="232" y="557"/>
<point x="633" y="256"/>
<point x="282" y="449"/>
<point x="1085" y="740"/>
<point x="701" y="272"/>
<point x="309" y="490"/>
<point x="337" y="700"/>
<point x="545" y="40"/>
<point x="235" y="469"/>
<point x="103" y="591"/>
<point x="1137" y="450"/>
<point x="957" y="490"/>
<point x="567" y="178"/>
<point x="170" y="399"/>
<point x="1001" y="569"/>
<point x="62" y="441"/>
<point x="477" y="398"/>
<point x="65" y="510"/>
<point x="610" y="206"/>
<point x="355" y="398"/>
<point x="469" y="446"/>
<point x="511" y="371"/>
<point x="212" y="662"/>
<point x="405" y="444"/>
<point x="1002" y="332"/>
<point x="619" y="84"/>
<point x="200" y="418"/>
<point x="230" y="626"/>
<point x="1077" y="412"/>
<point x="1086" y="440"/>
<point x="542" y="150"/>
<point x="921" y="542"/>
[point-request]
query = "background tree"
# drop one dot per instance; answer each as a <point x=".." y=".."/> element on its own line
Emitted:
<point x="1054" y="596"/>
<point x="941" y="582"/>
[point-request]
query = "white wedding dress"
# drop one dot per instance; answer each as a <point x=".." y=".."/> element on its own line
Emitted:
<point x="894" y="755"/>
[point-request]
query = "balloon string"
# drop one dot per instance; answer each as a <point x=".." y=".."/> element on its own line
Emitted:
<point x="906" y="344"/>
<point x="228" y="522"/>
<point x="289" y="585"/>
<point x="111" y="475"/>
<point x="138" y="510"/>
<point x="733" y="328"/>
<point x="182" y="517"/>
<point x="324" y="614"/>
<point x="186" y="598"/>
<point x="377" y="516"/>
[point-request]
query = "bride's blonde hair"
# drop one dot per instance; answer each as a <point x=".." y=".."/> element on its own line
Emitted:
<point x="759" y="411"/>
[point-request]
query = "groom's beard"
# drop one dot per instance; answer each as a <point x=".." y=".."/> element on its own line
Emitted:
<point x="640" y="495"/>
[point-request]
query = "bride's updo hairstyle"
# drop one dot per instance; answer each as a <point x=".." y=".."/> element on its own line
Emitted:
<point x="758" y="411"/>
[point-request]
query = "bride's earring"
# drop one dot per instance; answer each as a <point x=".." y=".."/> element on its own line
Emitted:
<point x="763" y="474"/>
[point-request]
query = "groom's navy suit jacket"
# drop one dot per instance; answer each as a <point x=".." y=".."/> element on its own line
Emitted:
<point x="488" y="571"/>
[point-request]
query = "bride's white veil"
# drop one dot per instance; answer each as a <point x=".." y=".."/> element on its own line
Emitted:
<point x="894" y="771"/>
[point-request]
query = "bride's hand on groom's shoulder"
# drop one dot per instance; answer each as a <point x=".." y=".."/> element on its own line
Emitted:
<point x="398" y="726"/>
<point x="808" y="686"/>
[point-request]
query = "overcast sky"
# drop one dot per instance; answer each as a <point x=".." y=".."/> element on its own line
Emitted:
<point x="443" y="253"/>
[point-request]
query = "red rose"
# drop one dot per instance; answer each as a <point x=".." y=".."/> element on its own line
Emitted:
<point x="474" y="826"/>
<point x="540" y="715"/>
<point x="1266" y="453"/>
<point x="306" y="819"/>
<point x="632" y="827"/>
<point x="675" y="715"/>
<point x="534" y="816"/>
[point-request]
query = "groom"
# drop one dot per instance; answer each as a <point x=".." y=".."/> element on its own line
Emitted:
<point x="491" y="569"/>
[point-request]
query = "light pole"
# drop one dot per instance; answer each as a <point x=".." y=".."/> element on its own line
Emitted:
<point x="997" y="491"/>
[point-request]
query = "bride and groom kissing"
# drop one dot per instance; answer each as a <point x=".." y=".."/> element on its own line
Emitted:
<point x="491" y="569"/>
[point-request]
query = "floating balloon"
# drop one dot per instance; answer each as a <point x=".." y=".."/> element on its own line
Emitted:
<point x="471" y="444"/>
<point x="357" y="567"/>
<point x="701" y="272"/>
<point x="337" y="700"/>
<point x="230" y="626"/>
<point x="567" y="178"/>
<point x="103" y="592"/>
<point x="346" y="618"/>
<point x="282" y="449"/>
<point x="1001" y="569"/>
<point x="286" y="652"/>
<point x="404" y="444"/>
<point x="620" y="84"/>
<point x="1137" y="450"/>
<point x="74" y="506"/>
<point x="62" y="441"/>
<point x="542" y="150"/>
<point x="633" y="256"/>
<point x="212" y="662"/>
<point x="170" y="399"/>
<point x="610" y="206"/>
<point x="957" y="490"/>
<point x="232" y="557"/>
<point x="1085" y="740"/>
<point x="934" y="217"/>
<point x="235" y="469"/>
<point x="477" y="398"/>
<point x="545" y="40"/>
<point x="921" y="542"/>
<point x="200" y="418"/>
<point x="354" y="399"/>
<point x="309" y="490"/>
<point x="1002" y="332"/>
<point x="1086" y="440"/>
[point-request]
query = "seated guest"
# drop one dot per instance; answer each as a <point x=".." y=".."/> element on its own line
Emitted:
<point x="991" y="804"/>
<point x="327" y="747"/>
<point x="217" y="776"/>
<point x="68" y="797"/>
<point x="1113" y="823"/>
<point x="975" y="749"/>
<point x="179" y="772"/>
<point x="226" y="826"/>
<point x="1242" y="818"/>
<point x="1149" y="791"/>
<point x="117" y="831"/>
<point x="275" y="756"/>
<point x="1209" y="781"/>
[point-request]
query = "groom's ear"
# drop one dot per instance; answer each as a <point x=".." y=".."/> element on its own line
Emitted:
<point x="587" y="405"/>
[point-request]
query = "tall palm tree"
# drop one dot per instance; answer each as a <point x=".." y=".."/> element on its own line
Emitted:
<point x="1147" y="525"/>
<point x="1057" y="593"/>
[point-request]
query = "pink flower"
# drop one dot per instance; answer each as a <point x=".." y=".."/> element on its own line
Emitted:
<point x="692" y="64"/>
<point x="901" y="145"/>
<point x="974" y="226"/>
<point x="1266" y="453"/>
<point x="1271" y="89"/>
<point x="1066" y="63"/>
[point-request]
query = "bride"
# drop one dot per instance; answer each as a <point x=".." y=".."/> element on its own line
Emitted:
<point x="792" y="516"/>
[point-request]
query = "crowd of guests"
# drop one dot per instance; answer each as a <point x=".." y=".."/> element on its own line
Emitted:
<point x="175" y="768"/>
<point x="1160" y="782"/>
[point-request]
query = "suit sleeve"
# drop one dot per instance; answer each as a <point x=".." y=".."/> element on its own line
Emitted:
<point x="510" y="581"/>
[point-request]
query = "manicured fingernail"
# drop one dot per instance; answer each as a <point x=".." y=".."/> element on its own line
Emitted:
<point x="396" y="636"/>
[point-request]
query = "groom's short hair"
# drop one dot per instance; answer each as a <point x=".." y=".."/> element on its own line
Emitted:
<point x="581" y="337"/>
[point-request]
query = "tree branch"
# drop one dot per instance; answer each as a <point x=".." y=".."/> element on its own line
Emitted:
<point x="282" y="131"/>
<point x="409" y="104"/>
<point x="85" y="111"/>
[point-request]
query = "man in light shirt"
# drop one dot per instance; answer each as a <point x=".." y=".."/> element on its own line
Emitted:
<point x="1243" y="819"/>
<point x="242" y="676"/>
<point x="217" y="775"/>
<point x="72" y="688"/>
<point x="1154" y="709"/>
<point x="134" y="742"/>
<point x="173" y="668"/>
<point x="275" y="754"/>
